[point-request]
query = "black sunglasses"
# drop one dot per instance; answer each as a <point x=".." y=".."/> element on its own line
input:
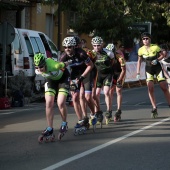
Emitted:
<point x="145" y="38"/>
<point x="37" y="67"/>
<point x="67" y="47"/>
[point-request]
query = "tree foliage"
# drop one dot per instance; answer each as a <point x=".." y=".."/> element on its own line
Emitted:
<point x="112" y="18"/>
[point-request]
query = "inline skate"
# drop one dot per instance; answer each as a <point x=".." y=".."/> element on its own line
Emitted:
<point x="86" y="122"/>
<point x="99" y="115"/>
<point x="108" y="116"/>
<point x="63" y="130"/>
<point x="80" y="128"/>
<point x="93" y="121"/>
<point x="154" y="113"/>
<point x="117" y="116"/>
<point x="46" y="136"/>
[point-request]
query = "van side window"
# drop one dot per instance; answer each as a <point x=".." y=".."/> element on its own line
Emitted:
<point x="16" y="45"/>
<point x="54" y="49"/>
<point x="29" y="47"/>
<point x="37" y="45"/>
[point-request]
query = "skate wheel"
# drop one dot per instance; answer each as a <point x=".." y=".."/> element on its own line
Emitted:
<point x="80" y="132"/>
<point x="101" y="125"/>
<point x="52" y="139"/>
<point x="83" y="131"/>
<point x="107" y="121"/>
<point x="40" y="139"/>
<point x="88" y="126"/>
<point x="94" y="128"/>
<point x="47" y="139"/>
<point x="60" y="135"/>
<point x="75" y="133"/>
<point x="116" y="119"/>
<point x="154" y="116"/>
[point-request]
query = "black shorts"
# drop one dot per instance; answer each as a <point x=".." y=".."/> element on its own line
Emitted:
<point x="52" y="87"/>
<point x="154" y="70"/>
<point x="104" y="80"/>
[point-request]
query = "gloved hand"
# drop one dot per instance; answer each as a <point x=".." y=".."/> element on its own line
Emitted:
<point x="138" y="76"/>
<point x="118" y="84"/>
<point x="81" y="78"/>
<point x="154" y="62"/>
<point x="73" y="87"/>
<point x="70" y="62"/>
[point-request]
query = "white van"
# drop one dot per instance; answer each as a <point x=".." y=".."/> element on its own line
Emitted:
<point x="22" y="50"/>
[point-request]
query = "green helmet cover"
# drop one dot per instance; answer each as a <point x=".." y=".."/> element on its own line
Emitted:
<point x="39" y="60"/>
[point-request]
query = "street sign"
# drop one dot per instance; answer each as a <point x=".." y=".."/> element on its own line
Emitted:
<point x="7" y="33"/>
<point x="142" y="27"/>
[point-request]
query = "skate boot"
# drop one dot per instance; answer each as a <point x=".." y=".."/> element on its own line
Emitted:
<point x="99" y="115"/>
<point x="63" y="130"/>
<point x="46" y="136"/>
<point x="154" y="113"/>
<point x="86" y="122"/>
<point x="108" y="116"/>
<point x="93" y="121"/>
<point x="80" y="128"/>
<point x="117" y="116"/>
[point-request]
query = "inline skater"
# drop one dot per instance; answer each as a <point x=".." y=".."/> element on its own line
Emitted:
<point x="165" y="62"/>
<point x="119" y="73"/>
<point x="152" y="54"/>
<point x="80" y="65"/>
<point x="86" y="95"/>
<point x="103" y="63"/>
<point x="57" y="82"/>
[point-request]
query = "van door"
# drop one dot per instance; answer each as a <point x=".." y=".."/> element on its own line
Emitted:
<point x="33" y="45"/>
<point x="16" y="55"/>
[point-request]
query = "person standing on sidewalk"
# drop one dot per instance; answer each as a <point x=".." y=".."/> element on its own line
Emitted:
<point x="152" y="54"/>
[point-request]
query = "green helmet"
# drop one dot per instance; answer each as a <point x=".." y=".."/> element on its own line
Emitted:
<point x="39" y="60"/>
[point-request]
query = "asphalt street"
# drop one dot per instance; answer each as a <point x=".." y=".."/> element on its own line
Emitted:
<point x="137" y="142"/>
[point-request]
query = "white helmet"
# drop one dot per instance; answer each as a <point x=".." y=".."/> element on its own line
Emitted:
<point x="69" y="41"/>
<point x="110" y="47"/>
<point x="97" y="41"/>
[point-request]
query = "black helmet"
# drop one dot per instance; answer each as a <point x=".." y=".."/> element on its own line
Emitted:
<point x="145" y="34"/>
<point x="78" y="41"/>
<point x="164" y="47"/>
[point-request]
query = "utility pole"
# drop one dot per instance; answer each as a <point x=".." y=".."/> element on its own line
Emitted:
<point x="59" y="23"/>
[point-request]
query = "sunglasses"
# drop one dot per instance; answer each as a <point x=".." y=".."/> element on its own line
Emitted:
<point x="69" y="47"/>
<point x="145" y="38"/>
<point x="96" y="45"/>
<point x="38" y="67"/>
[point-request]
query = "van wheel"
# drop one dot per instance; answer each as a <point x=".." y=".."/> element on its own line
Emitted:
<point x="37" y="86"/>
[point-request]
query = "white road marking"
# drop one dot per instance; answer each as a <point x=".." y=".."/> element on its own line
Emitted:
<point x="7" y="113"/>
<point x="160" y="103"/>
<point x="139" y="103"/>
<point x="88" y="152"/>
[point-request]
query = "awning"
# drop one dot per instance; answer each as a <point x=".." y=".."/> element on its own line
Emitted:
<point x="17" y="4"/>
